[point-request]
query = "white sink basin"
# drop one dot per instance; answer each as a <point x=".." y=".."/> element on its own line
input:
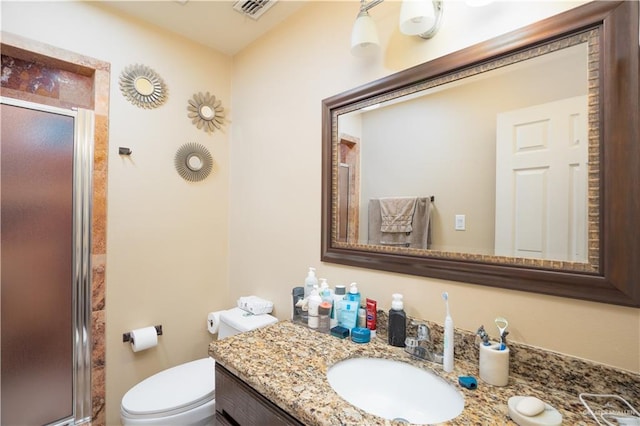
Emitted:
<point x="395" y="390"/>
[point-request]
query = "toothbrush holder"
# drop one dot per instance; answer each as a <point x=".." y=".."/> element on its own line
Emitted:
<point x="494" y="364"/>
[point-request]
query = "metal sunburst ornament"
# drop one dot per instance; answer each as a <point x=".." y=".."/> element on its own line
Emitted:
<point x="193" y="162"/>
<point x="206" y="112"/>
<point x="142" y="86"/>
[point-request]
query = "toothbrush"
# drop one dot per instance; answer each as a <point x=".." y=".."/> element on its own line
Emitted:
<point x="447" y="362"/>
<point x="445" y="297"/>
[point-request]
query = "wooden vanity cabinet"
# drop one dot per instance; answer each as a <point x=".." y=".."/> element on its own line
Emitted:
<point x="237" y="403"/>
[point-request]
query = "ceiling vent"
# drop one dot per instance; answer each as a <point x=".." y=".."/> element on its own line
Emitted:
<point x="253" y="8"/>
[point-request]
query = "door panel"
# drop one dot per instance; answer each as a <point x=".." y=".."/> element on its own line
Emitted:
<point x="36" y="212"/>
<point x="541" y="181"/>
<point x="530" y="207"/>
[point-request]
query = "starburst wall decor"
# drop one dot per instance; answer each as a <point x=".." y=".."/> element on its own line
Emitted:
<point x="142" y="86"/>
<point x="206" y="112"/>
<point x="193" y="162"/>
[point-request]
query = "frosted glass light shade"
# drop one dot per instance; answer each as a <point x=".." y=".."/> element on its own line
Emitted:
<point x="416" y="16"/>
<point x="364" y="36"/>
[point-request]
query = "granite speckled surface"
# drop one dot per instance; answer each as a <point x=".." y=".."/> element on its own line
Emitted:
<point x="288" y="363"/>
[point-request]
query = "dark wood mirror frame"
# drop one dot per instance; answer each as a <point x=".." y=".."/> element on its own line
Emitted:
<point x="618" y="278"/>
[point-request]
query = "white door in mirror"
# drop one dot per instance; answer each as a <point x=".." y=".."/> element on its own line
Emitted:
<point x="541" y="162"/>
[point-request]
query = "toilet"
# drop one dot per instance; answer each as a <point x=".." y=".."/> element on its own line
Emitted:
<point x="185" y="394"/>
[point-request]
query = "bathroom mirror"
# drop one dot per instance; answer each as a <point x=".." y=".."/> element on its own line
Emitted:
<point x="206" y="112"/>
<point x="143" y="86"/>
<point x="453" y="132"/>
<point x="194" y="162"/>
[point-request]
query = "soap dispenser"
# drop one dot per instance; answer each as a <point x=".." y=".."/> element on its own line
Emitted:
<point x="325" y="292"/>
<point x="309" y="282"/>
<point x="354" y="294"/>
<point x="397" y="321"/>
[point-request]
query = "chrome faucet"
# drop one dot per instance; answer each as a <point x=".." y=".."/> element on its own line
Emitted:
<point x="421" y="346"/>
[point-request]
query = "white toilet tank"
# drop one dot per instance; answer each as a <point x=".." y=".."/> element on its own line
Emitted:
<point x="185" y="394"/>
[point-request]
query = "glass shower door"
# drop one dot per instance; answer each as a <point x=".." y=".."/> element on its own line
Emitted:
<point x="37" y="266"/>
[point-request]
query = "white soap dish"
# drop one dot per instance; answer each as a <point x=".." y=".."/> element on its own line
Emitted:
<point x="530" y="411"/>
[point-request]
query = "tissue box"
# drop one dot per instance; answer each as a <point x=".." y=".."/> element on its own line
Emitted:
<point x="255" y="305"/>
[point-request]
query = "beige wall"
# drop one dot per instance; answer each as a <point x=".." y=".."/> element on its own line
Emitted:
<point x="275" y="178"/>
<point x="167" y="239"/>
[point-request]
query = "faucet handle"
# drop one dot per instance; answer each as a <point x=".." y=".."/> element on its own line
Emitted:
<point x="410" y="343"/>
<point x="424" y="333"/>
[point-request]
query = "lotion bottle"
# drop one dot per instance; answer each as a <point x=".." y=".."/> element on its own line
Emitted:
<point x="338" y="297"/>
<point x="309" y="282"/>
<point x="314" y="303"/>
<point x="325" y="292"/>
<point x="397" y="322"/>
<point x="354" y="294"/>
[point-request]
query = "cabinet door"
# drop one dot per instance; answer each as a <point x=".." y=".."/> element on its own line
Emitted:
<point x="239" y="403"/>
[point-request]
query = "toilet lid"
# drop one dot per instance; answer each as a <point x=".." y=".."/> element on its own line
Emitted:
<point x="173" y="390"/>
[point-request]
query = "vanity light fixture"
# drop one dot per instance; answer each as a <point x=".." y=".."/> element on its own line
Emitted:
<point x="420" y="17"/>
<point x="417" y="17"/>
<point x="364" y="36"/>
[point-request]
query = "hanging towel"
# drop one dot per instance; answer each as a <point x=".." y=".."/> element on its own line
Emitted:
<point x="397" y="213"/>
<point x="419" y="237"/>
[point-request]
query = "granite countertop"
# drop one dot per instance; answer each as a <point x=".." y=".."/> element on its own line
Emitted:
<point x="287" y="363"/>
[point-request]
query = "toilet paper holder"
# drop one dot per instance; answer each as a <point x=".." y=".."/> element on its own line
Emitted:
<point x="126" y="337"/>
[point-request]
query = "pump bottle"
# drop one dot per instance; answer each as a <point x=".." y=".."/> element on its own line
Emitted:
<point x="325" y="292"/>
<point x="397" y="321"/>
<point x="309" y="282"/>
<point x="354" y="294"/>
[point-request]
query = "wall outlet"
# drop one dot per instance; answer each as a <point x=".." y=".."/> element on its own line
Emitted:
<point x="461" y="224"/>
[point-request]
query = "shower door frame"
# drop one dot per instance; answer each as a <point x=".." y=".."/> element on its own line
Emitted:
<point x="83" y="146"/>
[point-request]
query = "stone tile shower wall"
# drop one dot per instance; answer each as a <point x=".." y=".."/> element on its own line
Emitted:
<point x="36" y="72"/>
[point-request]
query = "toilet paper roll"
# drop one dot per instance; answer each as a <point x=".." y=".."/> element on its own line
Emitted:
<point x="143" y="338"/>
<point x="494" y="364"/>
<point x="213" y="321"/>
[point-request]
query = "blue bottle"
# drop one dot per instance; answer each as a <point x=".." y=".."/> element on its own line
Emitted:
<point x="354" y="294"/>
